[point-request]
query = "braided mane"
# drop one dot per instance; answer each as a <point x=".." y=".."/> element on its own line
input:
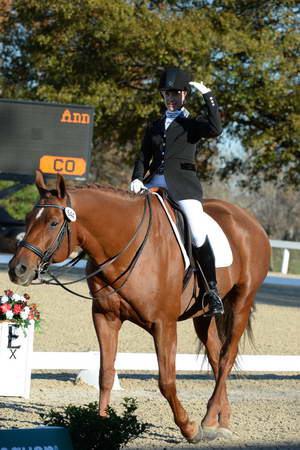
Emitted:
<point x="106" y="188"/>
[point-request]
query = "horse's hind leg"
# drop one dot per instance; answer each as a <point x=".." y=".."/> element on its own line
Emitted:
<point x="207" y="332"/>
<point x="165" y="338"/>
<point x="241" y="304"/>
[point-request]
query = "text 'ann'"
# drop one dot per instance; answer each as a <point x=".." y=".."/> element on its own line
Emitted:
<point x="75" y="117"/>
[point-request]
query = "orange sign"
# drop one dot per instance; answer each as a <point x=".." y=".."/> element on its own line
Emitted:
<point x="75" y="117"/>
<point x="64" y="165"/>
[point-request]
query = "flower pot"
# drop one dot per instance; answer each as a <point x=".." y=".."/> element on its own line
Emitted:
<point x="16" y="347"/>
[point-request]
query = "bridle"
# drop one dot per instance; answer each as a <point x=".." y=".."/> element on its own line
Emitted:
<point x="47" y="254"/>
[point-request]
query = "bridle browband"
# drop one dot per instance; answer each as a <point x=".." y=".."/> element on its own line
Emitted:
<point x="47" y="255"/>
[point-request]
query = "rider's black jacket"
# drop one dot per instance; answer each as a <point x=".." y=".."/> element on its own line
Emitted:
<point x="174" y="149"/>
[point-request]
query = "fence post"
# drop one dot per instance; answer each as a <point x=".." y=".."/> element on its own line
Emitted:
<point x="285" y="261"/>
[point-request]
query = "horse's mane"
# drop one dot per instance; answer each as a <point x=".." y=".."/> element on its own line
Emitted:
<point x="106" y="188"/>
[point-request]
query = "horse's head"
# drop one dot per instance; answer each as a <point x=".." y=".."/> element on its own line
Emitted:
<point x="48" y="236"/>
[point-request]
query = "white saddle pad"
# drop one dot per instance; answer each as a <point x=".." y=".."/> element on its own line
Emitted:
<point x="217" y="238"/>
<point x="219" y="242"/>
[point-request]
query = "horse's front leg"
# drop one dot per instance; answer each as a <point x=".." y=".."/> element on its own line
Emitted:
<point x="107" y="328"/>
<point x="165" y="338"/>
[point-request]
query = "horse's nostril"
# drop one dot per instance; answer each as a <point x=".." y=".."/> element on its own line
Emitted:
<point x="20" y="269"/>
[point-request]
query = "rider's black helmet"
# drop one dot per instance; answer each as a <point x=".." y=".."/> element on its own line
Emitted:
<point x="174" y="79"/>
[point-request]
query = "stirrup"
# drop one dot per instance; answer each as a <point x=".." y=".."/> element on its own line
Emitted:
<point x="215" y="304"/>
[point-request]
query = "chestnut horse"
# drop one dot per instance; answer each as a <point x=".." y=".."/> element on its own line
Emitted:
<point x="141" y="279"/>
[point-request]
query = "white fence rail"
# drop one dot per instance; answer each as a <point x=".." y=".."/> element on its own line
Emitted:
<point x="89" y="363"/>
<point x="286" y="246"/>
<point x="148" y="361"/>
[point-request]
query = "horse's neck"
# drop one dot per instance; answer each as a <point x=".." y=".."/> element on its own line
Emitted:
<point x="107" y="219"/>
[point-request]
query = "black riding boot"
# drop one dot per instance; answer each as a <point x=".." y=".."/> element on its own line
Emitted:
<point x="206" y="259"/>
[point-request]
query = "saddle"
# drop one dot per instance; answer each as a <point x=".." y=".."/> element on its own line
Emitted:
<point x="183" y="227"/>
<point x="182" y="224"/>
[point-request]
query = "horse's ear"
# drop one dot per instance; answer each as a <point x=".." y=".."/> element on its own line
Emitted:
<point x="40" y="183"/>
<point x="60" y="186"/>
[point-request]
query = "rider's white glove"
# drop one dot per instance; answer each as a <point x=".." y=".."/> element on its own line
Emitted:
<point x="136" y="186"/>
<point x="200" y="86"/>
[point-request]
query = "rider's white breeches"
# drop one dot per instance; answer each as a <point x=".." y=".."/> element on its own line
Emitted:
<point x="193" y="210"/>
<point x="195" y="215"/>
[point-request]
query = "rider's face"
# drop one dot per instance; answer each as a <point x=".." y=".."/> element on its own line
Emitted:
<point x="174" y="99"/>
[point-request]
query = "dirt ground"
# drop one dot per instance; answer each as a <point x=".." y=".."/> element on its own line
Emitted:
<point x="265" y="407"/>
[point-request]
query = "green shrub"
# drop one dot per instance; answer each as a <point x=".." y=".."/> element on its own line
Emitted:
<point x="89" y="431"/>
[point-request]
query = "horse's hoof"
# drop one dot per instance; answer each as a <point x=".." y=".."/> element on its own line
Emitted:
<point x="197" y="438"/>
<point x="225" y="433"/>
<point x="210" y="433"/>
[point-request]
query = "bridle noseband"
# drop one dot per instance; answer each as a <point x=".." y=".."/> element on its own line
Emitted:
<point x="46" y="255"/>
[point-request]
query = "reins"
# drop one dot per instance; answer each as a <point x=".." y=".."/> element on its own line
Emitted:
<point x="102" y="266"/>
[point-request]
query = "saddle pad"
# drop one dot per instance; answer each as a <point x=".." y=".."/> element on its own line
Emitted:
<point x="217" y="238"/>
<point x="219" y="242"/>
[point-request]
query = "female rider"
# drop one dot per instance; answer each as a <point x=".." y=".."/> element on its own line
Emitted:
<point x="168" y="153"/>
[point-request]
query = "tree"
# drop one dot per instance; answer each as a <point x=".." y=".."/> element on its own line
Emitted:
<point x="5" y="6"/>
<point x="259" y="59"/>
<point x="109" y="54"/>
<point x="278" y="210"/>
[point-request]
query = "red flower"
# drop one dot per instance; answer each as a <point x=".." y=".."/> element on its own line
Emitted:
<point x="17" y="308"/>
<point x="4" y="308"/>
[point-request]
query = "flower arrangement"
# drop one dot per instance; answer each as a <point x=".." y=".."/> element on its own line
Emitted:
<point x="16" y="308"/>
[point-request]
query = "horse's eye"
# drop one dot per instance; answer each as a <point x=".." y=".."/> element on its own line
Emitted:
<point x="53" y="224"/>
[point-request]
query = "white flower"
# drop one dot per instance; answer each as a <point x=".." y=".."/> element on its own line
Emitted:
<point x="17" y="297"/>
<point x="24" y="314"/>
<point x="9" y="314"/>
<point x="26" y="309"/>
<point x="4" y="299"/>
